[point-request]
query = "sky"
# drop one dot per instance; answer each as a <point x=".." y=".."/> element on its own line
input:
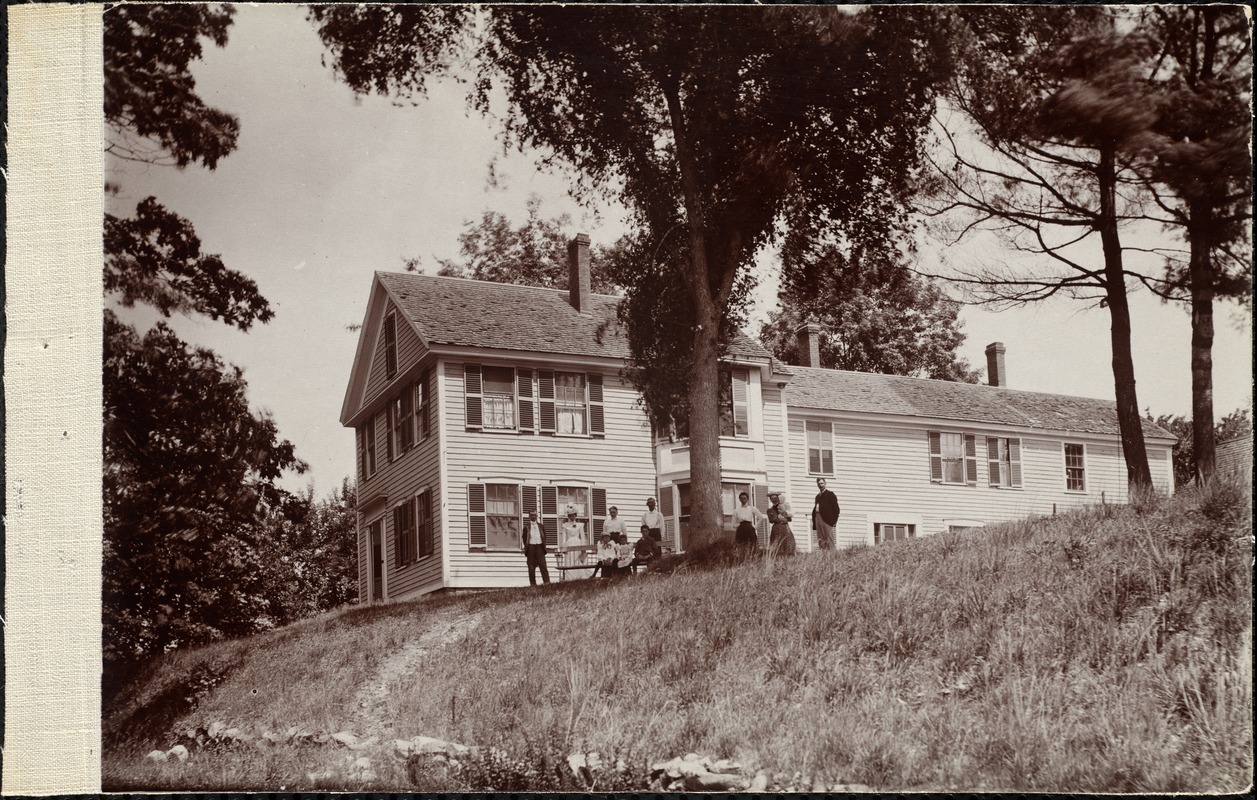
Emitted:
<point x="325" y="188"/>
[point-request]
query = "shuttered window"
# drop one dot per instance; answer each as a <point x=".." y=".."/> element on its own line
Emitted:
<point x="820" y="448"/>
<point x="425" y="531"/>
<point x="423" y="405"/>
<point x="404" y="533"/>
<point x="953" y="458"/>
<point x="1003" y="462"/>
<point x="382" y="429"/>
<point x="390" y="344"/>
<point x="360" y="435"/>
<point x="401" y="411"/>
<point x="369" y="446"/>
<point x="734" y="407"/>
<point x="498" y="397"/>
<point x="570" y="406"/>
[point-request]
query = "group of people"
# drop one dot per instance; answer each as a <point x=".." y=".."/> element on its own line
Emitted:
<point x="746" y="517"/>
<point x="615" y="555"/>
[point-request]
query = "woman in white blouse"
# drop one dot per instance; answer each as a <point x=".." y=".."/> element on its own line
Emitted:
<point x="746" y="517"/>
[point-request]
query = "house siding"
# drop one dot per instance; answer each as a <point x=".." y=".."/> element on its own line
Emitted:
<point x="621" y="463"/>
<point x="882" y="474"/>
<point x="409" y="351"/>
<point x="403" y="477"/>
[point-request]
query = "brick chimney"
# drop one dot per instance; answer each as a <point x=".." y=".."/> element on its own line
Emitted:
<point x="809" y="350"/>
<point x="578" y="273"/>
<point x="996" y="375"/>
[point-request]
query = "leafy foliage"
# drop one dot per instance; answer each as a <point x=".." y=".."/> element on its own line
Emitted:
<point x="199" y="541"/>
<point x="188" y="465"/>
<point x="1237" y="423"/>
<point x="712" y="124"/>
<point x="875" y="315"/>
<point x="1055" y="97"/>
<point x="155" y="258"/>
<point x="534" y="254"/>
<point x="152" y="111"/>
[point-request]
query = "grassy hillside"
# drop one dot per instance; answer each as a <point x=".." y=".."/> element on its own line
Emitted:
<point x="1106" y="650"/>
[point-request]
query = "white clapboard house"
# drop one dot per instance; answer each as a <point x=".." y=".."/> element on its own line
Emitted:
<point x="475" y="402"/>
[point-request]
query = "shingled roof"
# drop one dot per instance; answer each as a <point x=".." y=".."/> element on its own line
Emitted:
<point x="867" y="393"/>
<point x="472" y="313"/>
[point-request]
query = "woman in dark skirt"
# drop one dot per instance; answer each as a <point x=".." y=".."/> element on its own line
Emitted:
<point x="781" y="538"/>
<point x="746" y="516"/>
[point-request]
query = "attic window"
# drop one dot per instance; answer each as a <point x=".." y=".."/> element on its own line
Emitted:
<point x="390" y="344"/>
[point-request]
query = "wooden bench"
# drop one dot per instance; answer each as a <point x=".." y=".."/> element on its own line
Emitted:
<point x="582" y="557"/>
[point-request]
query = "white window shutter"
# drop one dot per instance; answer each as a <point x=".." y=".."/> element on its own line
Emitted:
<point x="936" y="457"/>
<point x="473" y="389"/>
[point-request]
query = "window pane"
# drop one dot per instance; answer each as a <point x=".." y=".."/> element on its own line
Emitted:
<point x="502" y="515"/>
<point x="577" y="497"/>
<point x="953" y="447"/>
<point x="813" y="461"/>
<point x="683" y="490"/>
<point x="499" y="380"/>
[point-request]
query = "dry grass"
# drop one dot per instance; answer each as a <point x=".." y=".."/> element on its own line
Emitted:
<point x="1103" y="651"/>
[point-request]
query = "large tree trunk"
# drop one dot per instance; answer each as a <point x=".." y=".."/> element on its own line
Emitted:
<point x="1204" y="450"/>
<point x="705" y="513"/>
<point x="1128" y="419"/>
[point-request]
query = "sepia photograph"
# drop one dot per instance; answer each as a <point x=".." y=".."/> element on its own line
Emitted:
<point x="467" y="371"/>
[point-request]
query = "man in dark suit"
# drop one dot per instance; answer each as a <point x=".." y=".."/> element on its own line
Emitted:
<point x="533" y="541"/>
<point x="825" y="516"/>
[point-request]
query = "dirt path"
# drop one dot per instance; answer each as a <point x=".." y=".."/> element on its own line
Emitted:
<point x="445" y="627"/>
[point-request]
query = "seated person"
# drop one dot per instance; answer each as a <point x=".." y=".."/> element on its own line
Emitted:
<point x="623" y="550"/>
<point x="607" y="555"/>
<point x="646" y="549"/>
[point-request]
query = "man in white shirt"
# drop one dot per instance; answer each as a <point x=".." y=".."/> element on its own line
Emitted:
<point x="533" y="542"/>
<point x="653" y="520"/>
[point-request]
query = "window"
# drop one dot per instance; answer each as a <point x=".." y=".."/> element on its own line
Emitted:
<point x="502" y="516"/>
<point x="820" y="448"/>
<point x="381" y="425"/>
<point x="369" y="441"/>
<point x="576" y="497"/>
<point x="402" y="423"/>
<point x="729" y="500"/>
<point x="404" y="533"/>
<point x="1075" y="468"/>
<point x="683" y="500"/>
<point x="422" y="411"/>
<point x="953" y="458"/>
<point x="1004" y="462"/>
<point x="425" y="532"/>
<point x="892" y="532"/>
<point x="563" y="403"/>
<point x="390" y="344"/>
<point x="569" y="402"/>
<point x="734" y="420"/>
<point x="499" y="397"/>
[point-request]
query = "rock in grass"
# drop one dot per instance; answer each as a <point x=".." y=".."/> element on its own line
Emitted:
<point x="178" y="751"/>
<point x="345" y="738"/>
<point x="157" y="755"/>
<point x="711" y="782"/>
<point x="759" y="783"/>
<point x="725" y="766"/>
